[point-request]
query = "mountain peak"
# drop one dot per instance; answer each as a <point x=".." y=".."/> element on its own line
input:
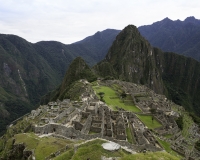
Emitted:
<point x="132" y="58"/>
<point x="77" y="70"/>
<point x="191" y="19"/>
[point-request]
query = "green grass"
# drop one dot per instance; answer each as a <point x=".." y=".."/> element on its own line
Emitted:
<point x="31" y="141"/>
<point x="150" y="156"/>
<point x="168" y="135"/>
<point x="167" y="147"/>
<point x="43" y="146"/>
<point x="109" y="93"/>
<point x="187" y="123"/>
<point x="147" y="120"/>
<point x="94" y="151"/>
<point x="129" y="135"/>
<point x="66" y="155"/>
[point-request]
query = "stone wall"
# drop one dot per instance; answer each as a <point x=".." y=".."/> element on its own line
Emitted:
<point x="57" y="129"/>
<point x="77" y="125"/>
<point x="18" y="119"/>
<point x="64" y="113"/>
<point x="95" y="129"/>
<point x="87" y="125"/>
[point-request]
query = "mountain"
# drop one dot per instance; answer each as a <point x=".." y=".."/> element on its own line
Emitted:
<point x="181" y="37"/>
<point x="24" y="77"/>
<point x="28" y="71"/>
<point x="132" y="58"/>
<point x="80" y="127"/>
<point x="99" y="43"/>
<point x="77" y="70"/>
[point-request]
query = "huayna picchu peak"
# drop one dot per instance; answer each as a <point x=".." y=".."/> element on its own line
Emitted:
<point x="132" y="58"/>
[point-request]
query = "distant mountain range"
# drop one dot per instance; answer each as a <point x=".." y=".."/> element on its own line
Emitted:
<point x="28" y="71"/>
<point x="181" y="37"/>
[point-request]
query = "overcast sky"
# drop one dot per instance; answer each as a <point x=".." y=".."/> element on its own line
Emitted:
<point x="69" y="21"/>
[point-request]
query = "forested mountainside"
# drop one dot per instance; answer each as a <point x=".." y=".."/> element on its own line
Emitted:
<point x="28" y="71"/>
<point x="132" y="58"/>
<point x="177" y="36"/>
<point x="77" y="70"/>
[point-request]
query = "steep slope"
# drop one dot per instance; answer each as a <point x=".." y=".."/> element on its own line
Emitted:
<point x="182" y="37"/>
<point x="133" y="59"/>
<point x="77" y="70"/>
<point x="24" y="77"/>
<point x="28" y="71"/>
<point x="99" y="43"/>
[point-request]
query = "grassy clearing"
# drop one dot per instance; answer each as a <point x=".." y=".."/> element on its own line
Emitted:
<point x="187" y="123"/>
<point x="94" y="151"/>
<point x="66" y="155"/>
<point x="31" y="141"/>
<point x="167" y="148"/>
<point x="150" y="156"/>
<point x="43" y="146"/>
<point x="113" y="100"/>
<point x="129" y="136"/>
<point x="147" y="120"/>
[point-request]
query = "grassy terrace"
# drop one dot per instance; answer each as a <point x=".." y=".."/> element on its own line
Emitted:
<point x="113" y="100"/>
<point x="94" y="151"/>
<point x="129" y="136"/>
<point x="43" y="146"/>
<point x="167" y="148"/>
<point x="147" y="120"/>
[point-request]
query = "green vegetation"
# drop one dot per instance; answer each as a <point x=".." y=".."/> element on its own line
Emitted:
<point x="129" y="135"/>
<point x="197" y="145"/>
<point x="113" y="100"/>
<point x="94" y="150"/>
<point x="43" y="146"/>
<point x="66" y="155"/>
<point x="187" y="123"/>
<point x="167" y="147"/>
<point x="195" y="118"/>
<point x="70" y="87"/>
<point x="150" y="156"/>
<point x="179" y="122"/>
<point x="147" y="120"/>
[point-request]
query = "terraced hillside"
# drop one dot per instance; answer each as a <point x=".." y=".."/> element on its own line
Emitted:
<point x="141" y="121"/>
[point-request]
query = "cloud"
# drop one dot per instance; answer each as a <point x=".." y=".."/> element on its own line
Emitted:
<point x="69" y="21"/>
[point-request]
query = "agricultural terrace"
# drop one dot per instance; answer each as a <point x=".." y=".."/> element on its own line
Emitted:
<point x="149" y="121"/>
<point x="112" y="99"/>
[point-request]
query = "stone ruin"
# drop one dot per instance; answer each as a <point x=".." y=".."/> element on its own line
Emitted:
<point x="91" y="118"/>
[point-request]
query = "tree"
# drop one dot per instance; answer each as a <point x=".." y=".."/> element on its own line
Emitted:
<point x="101" y="94"/>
